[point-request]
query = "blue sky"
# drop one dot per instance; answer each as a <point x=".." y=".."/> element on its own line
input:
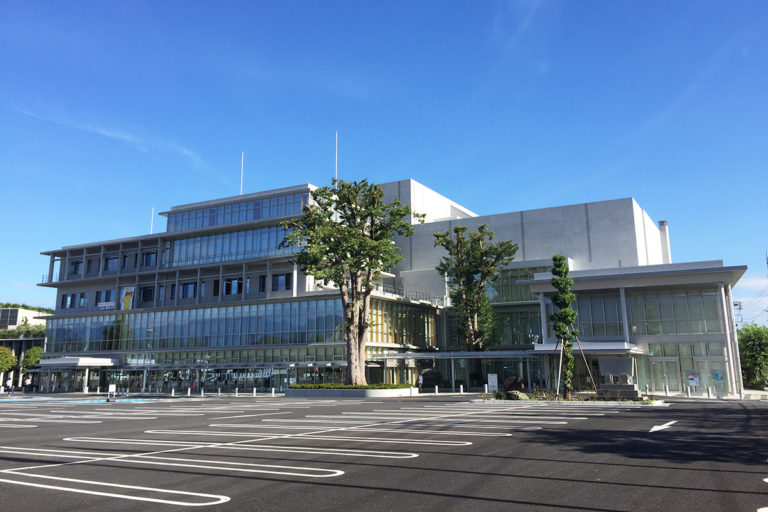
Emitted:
<point x="108" y="109"/>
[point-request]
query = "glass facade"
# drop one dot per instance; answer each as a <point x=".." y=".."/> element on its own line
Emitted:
<point x="235" y="246"/>
<point x="504" y="288"/>
<point x="274" y="207"/>
<point x="689" y="311"/>
<point x="395" y="322"/>
<point x="280" y="323"/>
<point x="516" y="327"/>
<point x="300" y="322"/>
<point x="598" y="315"/>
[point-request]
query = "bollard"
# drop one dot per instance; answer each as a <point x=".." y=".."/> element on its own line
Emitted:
<point x="709" y="392"/>
<point x="273" y="391"/>
<point x="189" y="391"/>
<point x="254" y="391"/>
<point x="435" y="389"/>
<point x="236" y="390"/>
<point x="98" y="390"/>
<point x="647" y="390"/>
<point x="219" y="392"/>
<point x="486" y="388"/>
<point x="666" y="390"/>
<point x="688" y="391"/>
<point x="461" y="389"/>
<point x="173" y="392"/>
<point x="202" y="391"/>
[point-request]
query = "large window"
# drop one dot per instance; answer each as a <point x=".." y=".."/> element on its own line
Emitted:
<point x="598" y="314"/>
<point x="272" y="207"/>
<point x="504" y="288"/>
<point x="253" y="243"/>
<point x="684" y="311"/>
<point x="312" y="321"/>
<point x="516" y="327"/>
<point x="281" y="282"/>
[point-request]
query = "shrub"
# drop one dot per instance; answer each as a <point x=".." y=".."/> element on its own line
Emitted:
<point x="349" y="386"/>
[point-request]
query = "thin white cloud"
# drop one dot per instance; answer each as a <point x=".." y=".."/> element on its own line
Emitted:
<point x="136" y="142"/>
<point x="21" y="284"/>
<point x="752" y="283"/>
<point x="513" y="22"/>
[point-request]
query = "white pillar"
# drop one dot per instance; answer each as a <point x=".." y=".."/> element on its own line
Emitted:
<point x="144" y="381"/>
<point x="85" y="381"/>
<point x="624" y="316"/>
<point x="543" y="311"/>
<point x="728" y="346"/>
<point x="737" y="354"/>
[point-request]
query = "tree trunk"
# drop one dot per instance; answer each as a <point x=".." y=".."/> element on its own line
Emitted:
<point x="355" y="350"/>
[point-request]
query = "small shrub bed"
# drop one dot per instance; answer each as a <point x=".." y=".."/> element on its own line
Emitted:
<point x="347" y="386"/>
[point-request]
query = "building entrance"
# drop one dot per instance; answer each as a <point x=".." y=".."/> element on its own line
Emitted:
<point x="665" y="371"/>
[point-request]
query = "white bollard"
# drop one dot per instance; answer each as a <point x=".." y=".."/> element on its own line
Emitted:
<point x="647" y="390"/>
<point x="173" y="391"/>
<point x="688" y="391"/>
<point x="461" y="389"/>
<point x="435" y="389"/>
<point x="189" y="391"/>
<point x="202" y="391"/>
<point x="236" y="390"/>
<point x="273" y="391"/>
<point x="666" y="390"/>
<point x="98" y="390"/>
<point x="219" y="393"/>
<point x="709" y="392"/>
<point x="486" y="388"/>
<point x="254" y="391"/>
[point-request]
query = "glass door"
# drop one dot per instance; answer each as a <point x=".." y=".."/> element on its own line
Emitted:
<point x="665" y="371"/>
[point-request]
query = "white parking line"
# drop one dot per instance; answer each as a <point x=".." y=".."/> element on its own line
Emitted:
<point x="214" y="499"/>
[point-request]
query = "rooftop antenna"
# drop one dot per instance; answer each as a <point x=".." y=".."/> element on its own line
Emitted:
<point x="152" y="221"/>
<point x="336" y="172"/>
<point x="242" y="161"/>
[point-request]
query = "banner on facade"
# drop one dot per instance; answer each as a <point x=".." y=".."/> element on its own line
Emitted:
<point x="126" y="297"/>
<point x="493" y="382"/>
<point x="693" y="378"/>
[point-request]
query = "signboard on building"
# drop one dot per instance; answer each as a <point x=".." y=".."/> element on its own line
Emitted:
<point x="493" y="383"/>
<point x="126" y="297"/>
<point x="693" y="378"/>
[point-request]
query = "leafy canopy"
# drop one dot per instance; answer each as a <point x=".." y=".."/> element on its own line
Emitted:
<point x="472" y="262"/>
<point x="30" y="358"/>
<point x="348" y="231"/>
<point x="7" y="359"/>
<point x="753" y="349"/>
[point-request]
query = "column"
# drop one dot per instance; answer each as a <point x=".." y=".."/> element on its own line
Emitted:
<point x="176" y="291"/>
<point x="453" y="376"/>
<point x="728" y="346"/>
<point x="269" y="279"/>
<point x="293" y="280"/>
<point x="85" y="380"/>
<point x="543" y="310"/>
<point x="737" y="354"/>
<point x="242" y="292"/>
<point x="50" y="268"/>
<point x="221" y="282"/>
<point x="101" y="261"/>
<point x="197" y="287"/>
<point x="624" y="316"/>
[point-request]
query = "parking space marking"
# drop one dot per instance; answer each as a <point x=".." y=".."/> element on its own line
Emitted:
<point x="214" y="499"/>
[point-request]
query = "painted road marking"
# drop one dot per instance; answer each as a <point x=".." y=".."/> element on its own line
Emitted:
<point x="213" y="499"/>
<point x="256" y="448"/>
<point x="656" y="428"/>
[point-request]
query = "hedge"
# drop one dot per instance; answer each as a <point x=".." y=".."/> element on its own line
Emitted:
<point x="346" y="386"/>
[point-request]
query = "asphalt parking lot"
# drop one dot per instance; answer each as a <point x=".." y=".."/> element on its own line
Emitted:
<point x="439" y="453"/>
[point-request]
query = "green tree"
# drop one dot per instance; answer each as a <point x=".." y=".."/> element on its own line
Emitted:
<point x="30" y="358"/>
<point x="8" y="361"/>
<point x="472" y="262"/>
<point x="345" y="240"/>
<point x="753" y="349"/>
<point x="563" y="319"/>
